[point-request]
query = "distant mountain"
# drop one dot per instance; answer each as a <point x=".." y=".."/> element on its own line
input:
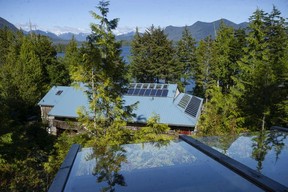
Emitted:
<point x="51" y="35"/>
<point x="126" y="37"/>
<point x="5" y="23"/>
<point x="200" y="30"/>
<point x="78" y="37"/>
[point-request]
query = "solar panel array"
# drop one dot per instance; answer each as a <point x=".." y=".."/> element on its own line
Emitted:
<point x="184" y="101"/>
<point x="193" y="106"/>
<point x="149" y="90"/>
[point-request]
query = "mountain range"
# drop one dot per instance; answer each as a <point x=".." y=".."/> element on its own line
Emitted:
<point x="199" y="30"/>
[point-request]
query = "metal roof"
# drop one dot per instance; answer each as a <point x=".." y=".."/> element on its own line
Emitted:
<point x="167" y="107"/>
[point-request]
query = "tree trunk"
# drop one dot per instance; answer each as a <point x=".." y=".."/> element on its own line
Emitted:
<point x="263" y="123"/>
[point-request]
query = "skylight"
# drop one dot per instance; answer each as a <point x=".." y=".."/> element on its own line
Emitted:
<point x="59" y="92"/>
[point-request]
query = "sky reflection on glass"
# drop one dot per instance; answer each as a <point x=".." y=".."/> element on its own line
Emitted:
<point x="266" y="152"/>
<point x="175" y="166"/>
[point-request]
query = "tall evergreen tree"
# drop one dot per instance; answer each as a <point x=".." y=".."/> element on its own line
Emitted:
<point x="139" y="68"/>
<point x="104" y="72"/>
<point x="152" y="57"/>
<point x="186" y="55"/>
<point x="220" y="114"/>
<point x="72" y="56"/>
<point x="263" y="70"/>
<point x="223" y="67"/>
<point x="28" y="74"/>
<point x="202" y="69"/>
<point x="277" y="38"/>
<point x="7" y="37"/>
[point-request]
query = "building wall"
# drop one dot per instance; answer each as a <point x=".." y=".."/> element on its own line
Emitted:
<point x="44" y="112"/>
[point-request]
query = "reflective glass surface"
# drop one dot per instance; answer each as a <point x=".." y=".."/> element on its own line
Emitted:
<point x="265" y="152"/>
<point x="173" y="166"/>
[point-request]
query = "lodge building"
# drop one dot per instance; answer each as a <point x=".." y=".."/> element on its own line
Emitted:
<point x="180" y="111"/>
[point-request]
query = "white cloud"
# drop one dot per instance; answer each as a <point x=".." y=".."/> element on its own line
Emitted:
<point x="66" y="29"/>
<point x="27" y="26"/>
<point x="126" y="29"/>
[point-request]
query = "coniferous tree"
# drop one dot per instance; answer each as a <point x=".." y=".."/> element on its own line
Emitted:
<point x="223" y="66"/>
<point x="220" y="114"/>
<point x="104" y="72"/>
<point x="202" y="69"/>
<point x="7" y="37"/>
<point x="139" y="68"/>
<point x="262" y="70"/>
<point x="72" y="56"/>
<point x="28" y="74"/>
<point x="152" y="57"/>
<point x="277" y="38"/>
<point x="186" y="55"/>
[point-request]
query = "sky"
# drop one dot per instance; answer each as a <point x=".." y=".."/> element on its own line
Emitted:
<point x="60" y="16"/>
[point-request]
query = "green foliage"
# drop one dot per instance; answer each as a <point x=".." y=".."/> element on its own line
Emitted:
<point x="224" y="66"/>
<point x="152" y="57"/>
<point x="28" y="67"/>
<point x="220" y="114"/>
<point x="60" y="48"/>
<point x="154" y="131"/>
<point x="60" y="150"/>
<point x="7" y="37"/>
<point x="23" y="150"/>
<point x="202" y="69"/>
<point x="263" y="71"/>
<point x="244" y="89"/>
<point x="186" y="56"/>
<point x="104" y="72"/>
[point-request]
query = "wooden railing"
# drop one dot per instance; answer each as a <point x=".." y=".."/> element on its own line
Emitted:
<point x="66" y="124"/>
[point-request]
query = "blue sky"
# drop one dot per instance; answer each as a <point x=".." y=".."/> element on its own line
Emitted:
<point x="60" y="16"/>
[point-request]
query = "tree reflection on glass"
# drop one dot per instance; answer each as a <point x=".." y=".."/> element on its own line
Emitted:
<point x="260" y="148"/>
<point x="264" y="142"/>
<point x="277" y="139"/>
<point x="108" y="164"/>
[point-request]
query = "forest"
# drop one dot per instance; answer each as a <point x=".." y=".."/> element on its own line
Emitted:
<point x="241" y="74"/>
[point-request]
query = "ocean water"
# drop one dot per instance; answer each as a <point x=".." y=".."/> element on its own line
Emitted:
<point x="126" y="53"/>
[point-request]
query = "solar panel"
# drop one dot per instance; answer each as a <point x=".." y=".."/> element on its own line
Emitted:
<point x="147" y="92"/>
<point x="145" y="86"/>
<point x="130" y="91"/>
<point x="140" y="89"/>
<point x="136" y="92"/>
<point x="139" y="85"/>
<point x="132" y="85"/>
<point x="153" y="92"/>
<point x="184" y="101"/>
<point x="164" y="93"/>
<point x="141" y="93"/>
<point x="159" y="93"/>
<point x="193" y="106"/>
